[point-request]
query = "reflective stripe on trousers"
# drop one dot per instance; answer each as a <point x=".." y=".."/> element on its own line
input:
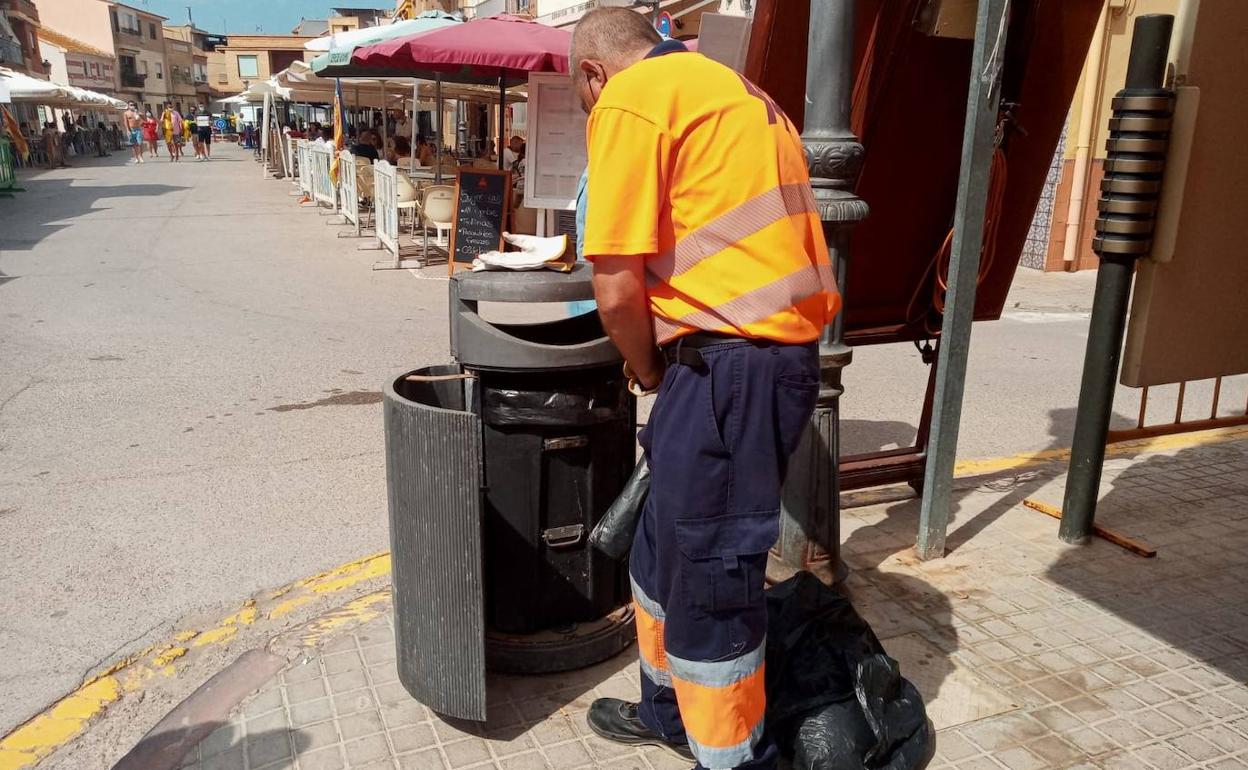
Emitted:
<point x="718" y="443"/>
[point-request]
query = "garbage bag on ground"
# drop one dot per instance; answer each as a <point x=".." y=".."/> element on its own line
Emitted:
<point x="613" y="534"/>
<point x="835" y="700"/>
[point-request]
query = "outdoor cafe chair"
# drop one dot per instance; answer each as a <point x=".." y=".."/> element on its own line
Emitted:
<point x="364" y="183"/>
<point x="408" y="198"/>
<point x="437" y="209"/>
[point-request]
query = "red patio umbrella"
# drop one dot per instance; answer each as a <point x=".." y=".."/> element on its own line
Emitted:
<point x="502" y="49"/>
<point x="480" y="50"/>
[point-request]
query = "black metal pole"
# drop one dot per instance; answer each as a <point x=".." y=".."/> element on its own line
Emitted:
<point x="1139" y="132"/>
<point x="810" y="518"/>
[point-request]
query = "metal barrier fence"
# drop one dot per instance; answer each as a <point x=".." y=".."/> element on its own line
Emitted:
<point x="1143" y="430"/>
<point x="386" y="206"/>
<point x="8" y="169"/>
<point x="304" y="166"/>
<point x="348" y="193"/>
<point x="323" y="190"/>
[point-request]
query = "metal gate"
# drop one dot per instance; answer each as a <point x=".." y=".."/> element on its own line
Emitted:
<point x="348" y="193"/>
<point x="305" y="167"/>
<point x="386" y="205"/>
<point x="323" y="189"/>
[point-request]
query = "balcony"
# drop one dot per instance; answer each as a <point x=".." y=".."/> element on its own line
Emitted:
<point x="136" y="31"/>
<point x="23" y="9"/>
<point x="131" y="79"/>
<point x="11" y="53"/>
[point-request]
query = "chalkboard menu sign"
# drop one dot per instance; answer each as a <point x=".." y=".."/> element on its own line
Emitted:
<point x="482" y="199"/>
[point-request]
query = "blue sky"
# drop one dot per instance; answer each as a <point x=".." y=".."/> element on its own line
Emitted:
<point x="243" y="16"/>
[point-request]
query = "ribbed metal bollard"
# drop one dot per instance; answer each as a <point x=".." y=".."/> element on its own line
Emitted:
<point x="1127" y="211"/>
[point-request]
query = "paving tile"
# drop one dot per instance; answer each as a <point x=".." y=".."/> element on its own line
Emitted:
<point x="316" y="736"/>
<point x="354" y="702"/>
<point x="367" y="749"/>
<point x="360" y="724"/>
<point x="311" y="712"/>
<point x="342" y="661"/>
<point x="572" y="754"/>
<point x="411" y="738"/>
<point x="347" y="681"/>
<point x="302" y="692"/>
<point x="272" y="721"/>
<point x="429" y="759"/>
<point x="302" y="672"/>
<point x="1019" y="758"/>
<point x="263" y="702"/>
<point x="230" y="759"/>
<point x="528" y="761"/>
<point x="221" y="739"/>
<point x="267" y="748"/>
<point x="1195" y="747"/>
<point x="1055" y="751"/>
<point x="1163" y="757"/>
<point x="466" y="752"/>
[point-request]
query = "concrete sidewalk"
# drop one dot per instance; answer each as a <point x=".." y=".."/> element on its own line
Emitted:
<point x="1030" y="654"/>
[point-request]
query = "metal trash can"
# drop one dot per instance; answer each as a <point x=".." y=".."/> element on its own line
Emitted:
<point x="498" y="467"/>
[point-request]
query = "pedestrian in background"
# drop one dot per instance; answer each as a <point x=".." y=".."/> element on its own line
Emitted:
<point x="712" y="278"/>
<point x="149" y="134"/>
<point x="203" y="127"/>
<point x="188" y="133"/>
<point x="134" y="132"/>
<point x="101" y="139"/>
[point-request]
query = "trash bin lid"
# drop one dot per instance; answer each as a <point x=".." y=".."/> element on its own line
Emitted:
<point x="526" y="286"/>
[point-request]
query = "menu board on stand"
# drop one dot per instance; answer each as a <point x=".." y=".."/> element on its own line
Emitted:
<point x="555" y="148"/>
<point x="482" y="202"/>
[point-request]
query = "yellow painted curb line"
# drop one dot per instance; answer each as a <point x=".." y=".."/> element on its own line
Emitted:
<point x="68" y="717"/>
<point x="1156" y="444"/>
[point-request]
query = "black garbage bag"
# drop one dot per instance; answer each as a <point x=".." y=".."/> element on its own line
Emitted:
<point x="835" y="700"/>
<point x="613" y="534"/>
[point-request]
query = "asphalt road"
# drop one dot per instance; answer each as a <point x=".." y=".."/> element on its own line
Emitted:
<point x="189" y="401"/>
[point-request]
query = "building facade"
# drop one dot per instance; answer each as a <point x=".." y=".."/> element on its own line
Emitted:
<point x="19" y="38"/>
<point x="1064" y="216"/>
<point x="247" y="59"/>
<point x="77" y="63"/>
<point x="202" y="45"/>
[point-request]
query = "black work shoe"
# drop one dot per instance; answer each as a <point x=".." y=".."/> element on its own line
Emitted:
<point x="617" y="720"/>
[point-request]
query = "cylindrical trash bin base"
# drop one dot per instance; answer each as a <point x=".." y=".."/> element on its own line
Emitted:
<point x="552" y="651"/>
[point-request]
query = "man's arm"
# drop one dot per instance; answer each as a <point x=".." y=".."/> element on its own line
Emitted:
<point x="620" y="290"/>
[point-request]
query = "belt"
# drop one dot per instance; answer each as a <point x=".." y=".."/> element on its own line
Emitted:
<point x="688" y="349"/>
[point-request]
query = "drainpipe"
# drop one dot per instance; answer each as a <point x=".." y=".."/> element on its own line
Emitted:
<point x="1092" y="82"/>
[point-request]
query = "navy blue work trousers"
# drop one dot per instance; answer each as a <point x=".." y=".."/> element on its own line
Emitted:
<point x="718" y="442"/>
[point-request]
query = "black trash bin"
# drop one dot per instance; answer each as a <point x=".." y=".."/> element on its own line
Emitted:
<point x="498" y="467"/>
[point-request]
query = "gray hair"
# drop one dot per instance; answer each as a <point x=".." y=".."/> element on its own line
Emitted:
<point x="611" y="35"/>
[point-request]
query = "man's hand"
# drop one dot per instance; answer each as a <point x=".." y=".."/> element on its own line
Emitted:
<point x="620" y="290"/>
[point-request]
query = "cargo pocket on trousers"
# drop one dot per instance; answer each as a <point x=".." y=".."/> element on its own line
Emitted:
<point x="724" y="559"/>
<point x="795" y="403"/>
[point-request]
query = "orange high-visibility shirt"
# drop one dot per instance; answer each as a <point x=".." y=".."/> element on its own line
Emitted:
<point x="694" y="169"/>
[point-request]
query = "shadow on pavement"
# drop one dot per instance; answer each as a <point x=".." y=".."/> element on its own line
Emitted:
<point x="223" y="746"/>
<point x="1191" y="506"/>
<point x="50" y="204"/>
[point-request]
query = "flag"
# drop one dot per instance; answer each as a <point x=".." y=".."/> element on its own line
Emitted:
<point x="15" y="131"/>
<point x="340" y="129"/>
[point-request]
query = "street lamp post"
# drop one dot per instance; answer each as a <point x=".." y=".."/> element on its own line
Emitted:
<point x="809" y="522"/>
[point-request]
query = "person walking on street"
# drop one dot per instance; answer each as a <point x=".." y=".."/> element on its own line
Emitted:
<point x="134" y="131"/>
<point x="149" y="134"/>
<point x="101" y="140"/>
<point x="188" y="132"/>
<point x="713" y="280"/>
<point x="203" y="128"/>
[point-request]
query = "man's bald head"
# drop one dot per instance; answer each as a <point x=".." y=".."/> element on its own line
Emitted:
<point x="606" y="41"/>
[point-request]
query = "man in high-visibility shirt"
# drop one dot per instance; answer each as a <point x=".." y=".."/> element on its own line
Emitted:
<point x="712" y="278"/>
